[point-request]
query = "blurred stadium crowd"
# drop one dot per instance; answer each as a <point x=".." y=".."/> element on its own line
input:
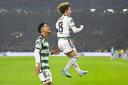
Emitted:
<point x="105" y="23"/>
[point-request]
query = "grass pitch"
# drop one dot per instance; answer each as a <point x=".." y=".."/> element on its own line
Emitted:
<point x="102" y="71"/>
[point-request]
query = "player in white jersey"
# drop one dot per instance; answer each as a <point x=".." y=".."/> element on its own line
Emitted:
<point x="64" y="25"/>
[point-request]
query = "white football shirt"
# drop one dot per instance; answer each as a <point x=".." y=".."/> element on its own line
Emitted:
<point x="63" y="26"/>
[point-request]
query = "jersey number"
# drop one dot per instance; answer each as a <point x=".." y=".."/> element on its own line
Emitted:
<point x="60" y="24"/>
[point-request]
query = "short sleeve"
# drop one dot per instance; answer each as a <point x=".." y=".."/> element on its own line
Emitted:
<point x="38" y="44"/>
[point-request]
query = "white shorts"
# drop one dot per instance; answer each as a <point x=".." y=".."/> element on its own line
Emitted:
<point x="65" y="45"/>
<point x="45" y="76"/>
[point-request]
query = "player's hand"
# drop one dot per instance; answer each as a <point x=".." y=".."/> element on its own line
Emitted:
<point x="82" y="26"/>
<point x="37" y="68"/>
<point x="55" y="51"/>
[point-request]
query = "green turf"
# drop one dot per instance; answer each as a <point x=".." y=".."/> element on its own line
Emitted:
<point x="102" y="71"/>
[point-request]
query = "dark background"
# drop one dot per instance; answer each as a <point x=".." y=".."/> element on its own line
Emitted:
<point x="19" y="20"/>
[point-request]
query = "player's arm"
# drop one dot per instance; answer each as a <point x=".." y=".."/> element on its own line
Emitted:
<point x="37" y="56"/>
<point x="73" y="27"/>
<point x="37" y="59"/>
<point x="55" y="51"/>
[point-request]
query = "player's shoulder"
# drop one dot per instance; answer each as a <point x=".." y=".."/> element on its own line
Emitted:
<point x="69" y="18"/>
<point x="40" y="38"/>
<point x="65" y="18"/>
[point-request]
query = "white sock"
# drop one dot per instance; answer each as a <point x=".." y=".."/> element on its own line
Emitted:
<point x="75" y="65"/>
<point x="70" y="63"/>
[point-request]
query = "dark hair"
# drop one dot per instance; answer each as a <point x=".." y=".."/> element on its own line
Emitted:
<point x="62" y="7"/>
<point x="40" y="26"/>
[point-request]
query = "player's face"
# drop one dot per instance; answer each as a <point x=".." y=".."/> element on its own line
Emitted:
<point x="46" y="30"/>
<point x="69" y="11"/>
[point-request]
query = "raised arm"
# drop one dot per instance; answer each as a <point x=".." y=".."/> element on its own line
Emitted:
<point x="73" y="27"/>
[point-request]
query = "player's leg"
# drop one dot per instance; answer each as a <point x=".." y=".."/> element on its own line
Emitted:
<point x="81" y="72"/>
<point x="68" y="48"/>
<point x="73" y="58"/>
<point x="75" y="65"/>
<point x="49" y="77"/>
<point x="71" y="61"/>
<point x="73" y="55"/>
<point x="112" y="56"/>
<point x="49" y="83"/>
<point x="45" y="77"/>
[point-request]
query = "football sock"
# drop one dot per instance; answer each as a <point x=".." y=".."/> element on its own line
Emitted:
<point x="70" y="63"/>
<point x="75" y="65"/>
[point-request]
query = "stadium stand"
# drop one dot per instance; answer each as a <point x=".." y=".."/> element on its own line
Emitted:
<point x="19" y="20"/>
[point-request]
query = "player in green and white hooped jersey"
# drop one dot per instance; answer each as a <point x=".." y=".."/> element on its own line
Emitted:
<point x="41" y="54"/>
<point x="64" y="24"/>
